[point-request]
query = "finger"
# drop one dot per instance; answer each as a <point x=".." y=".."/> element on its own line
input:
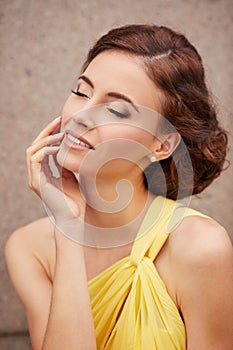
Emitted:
<point x="49" y="129"/>
<point x="69" y="181"/>
<point x="40" y="145"/>
<point x="66" y="174"/>
<point x="46" y="141"/>
<point x="46" y="151"/>
<point x="34" y="165"/>
<point x="46" y="170"/>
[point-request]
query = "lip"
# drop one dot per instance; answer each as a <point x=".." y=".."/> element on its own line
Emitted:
<point x="74" y="145"/>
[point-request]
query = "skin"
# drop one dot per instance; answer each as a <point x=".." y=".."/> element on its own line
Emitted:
<point x="195" y="267"/>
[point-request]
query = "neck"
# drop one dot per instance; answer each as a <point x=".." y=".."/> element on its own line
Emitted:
<point x="116" y="206"/>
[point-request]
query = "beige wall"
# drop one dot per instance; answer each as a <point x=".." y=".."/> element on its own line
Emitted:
<point x="42" y="46"/>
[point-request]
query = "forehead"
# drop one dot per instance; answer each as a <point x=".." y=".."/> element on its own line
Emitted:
<point x="114" y="70"/>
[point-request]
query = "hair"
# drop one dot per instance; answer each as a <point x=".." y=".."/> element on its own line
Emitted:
<point x="175" y="67"/>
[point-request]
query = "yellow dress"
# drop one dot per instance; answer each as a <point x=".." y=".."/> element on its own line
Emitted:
<point x="131" y="307"/>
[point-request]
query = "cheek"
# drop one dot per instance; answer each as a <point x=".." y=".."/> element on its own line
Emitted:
<point x="69" y="109"/>
<point x="125" y="142"/>
<point x="134" y="135"/>
<point x="143" y="138"/>
<point x="65" y="114"/>
<point x="112" y="132"/>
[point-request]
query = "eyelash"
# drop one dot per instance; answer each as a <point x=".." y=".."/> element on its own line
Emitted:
<point x="118" y="114"/>
<point x="111" y="110"/>
<point x="79" y="93"/>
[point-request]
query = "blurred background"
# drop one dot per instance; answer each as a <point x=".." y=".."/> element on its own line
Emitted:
<point x="43" y="44"/>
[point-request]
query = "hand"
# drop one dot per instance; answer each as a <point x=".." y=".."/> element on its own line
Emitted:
<point x="61" y="195"/>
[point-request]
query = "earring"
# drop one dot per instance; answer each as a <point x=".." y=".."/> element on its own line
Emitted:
<point x="153" y="159"/>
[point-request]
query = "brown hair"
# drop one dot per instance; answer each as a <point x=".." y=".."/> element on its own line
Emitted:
<point x="175" y="66"/>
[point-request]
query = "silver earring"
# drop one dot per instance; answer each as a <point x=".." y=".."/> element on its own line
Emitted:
<point x="153" y="159"/>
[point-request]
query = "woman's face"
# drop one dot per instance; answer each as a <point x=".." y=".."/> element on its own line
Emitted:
<point x="110" y="119"/>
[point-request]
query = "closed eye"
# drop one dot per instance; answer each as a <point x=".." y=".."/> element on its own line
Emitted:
<point x="79" y="93"/>
<point x="118" y="114"/>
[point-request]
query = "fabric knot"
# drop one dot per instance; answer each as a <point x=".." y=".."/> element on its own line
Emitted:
<point x="134" y="260"/>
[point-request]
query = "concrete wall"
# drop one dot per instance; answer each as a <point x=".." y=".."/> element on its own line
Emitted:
<point x="43" y="44"/>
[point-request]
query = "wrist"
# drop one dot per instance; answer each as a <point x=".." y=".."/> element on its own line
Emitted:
<point x="71" y="231"/>
<point x="69" y="254"/>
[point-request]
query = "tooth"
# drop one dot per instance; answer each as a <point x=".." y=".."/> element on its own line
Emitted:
<point x="75" y="140"/>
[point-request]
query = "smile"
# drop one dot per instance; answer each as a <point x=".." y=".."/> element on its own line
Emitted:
<point x="77" y="142"/>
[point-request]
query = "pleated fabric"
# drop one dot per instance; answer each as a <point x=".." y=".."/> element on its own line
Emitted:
<point x="131" y="307"/>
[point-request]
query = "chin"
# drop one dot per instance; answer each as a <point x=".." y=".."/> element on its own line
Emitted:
<point x="68" y="161"/>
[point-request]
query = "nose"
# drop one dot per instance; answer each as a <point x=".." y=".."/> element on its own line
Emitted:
<point x="84" y="118"/>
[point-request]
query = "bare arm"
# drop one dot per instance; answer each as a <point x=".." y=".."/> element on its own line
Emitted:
<point x="205" y="284"/>
<point x="44" y="300"/>
<point x="70" y="324"/>
<point x="63" y="314"/>
<point x="29" y="275"/>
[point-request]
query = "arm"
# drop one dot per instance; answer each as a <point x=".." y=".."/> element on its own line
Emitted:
<point x="56" y="311"/>
<point x="203" y="265"/>
<point x="70" y="323"/>
<point x="67" y="321"/>
<point x="30" y="275"/>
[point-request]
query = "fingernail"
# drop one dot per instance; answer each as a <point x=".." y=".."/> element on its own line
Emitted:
<point x="57" y="118"/>
<point x="58" y="135"/>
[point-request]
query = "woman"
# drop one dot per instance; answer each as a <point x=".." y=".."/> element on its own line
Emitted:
<point x="140" y="271"/>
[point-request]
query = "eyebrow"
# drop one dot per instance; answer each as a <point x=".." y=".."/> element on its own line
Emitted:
<point x="87" y="80"/>
<point x="111" y="94"/>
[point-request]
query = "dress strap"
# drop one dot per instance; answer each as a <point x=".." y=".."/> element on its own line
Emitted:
<point x="161" y="218"/>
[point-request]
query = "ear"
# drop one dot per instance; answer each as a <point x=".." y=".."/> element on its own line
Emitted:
<point x="163" y="149"/>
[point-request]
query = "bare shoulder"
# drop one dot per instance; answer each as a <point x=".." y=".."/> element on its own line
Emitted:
<point x="200" y="254"/>
<point x="197" y="249"/>
<point x="199" y="240"/>
<point x="201" y="260"/>
<point x="35" y="240"/>
<point x="35" y="229"/>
